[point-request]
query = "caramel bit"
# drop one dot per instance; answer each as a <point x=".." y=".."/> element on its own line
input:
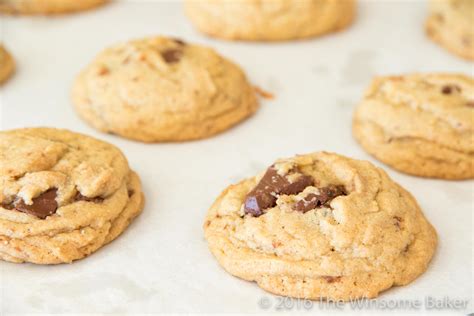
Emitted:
<point x="331" y="279"/>
<point x="80" y="197"/>
<point x="264" y="94"/>
<point x="450" y="88"/>
<point x="265" y="194"/>
<point x="103" y="71"/>
<point x="172" y="55"/>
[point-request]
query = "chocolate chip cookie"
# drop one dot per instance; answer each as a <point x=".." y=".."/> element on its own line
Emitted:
<point x="7" y="65"/>
<point x="320" y="226"/>
<point x="47" y="6"/>
<point x="62" y="195"/>
<point x="163" y="89"/>
<point x="451" y="24"/>
<point x="421" y="124"/>
<point x="275" y="20"/>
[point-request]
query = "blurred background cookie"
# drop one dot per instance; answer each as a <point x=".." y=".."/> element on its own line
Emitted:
<point x="274" y="20"/>
<point x="451" y="24"/>
<point x="163" y="89"/>
<point x="7" y="64"/>
<point x="421" y="124"/>
<point x="47" y="6"/>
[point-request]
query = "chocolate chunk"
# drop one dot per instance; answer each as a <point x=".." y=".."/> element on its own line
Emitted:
<point x="172" y="55"/>
<point x="448" y="89"/>
<point x="265" y="194"/>
<point x="313" y="200"/>
<point x="331" y="279"/>
<point x="130" y="192"/>
<point x="43" y="206"/>
<point x="301" y="183"/>
<point x="80" y="197"/>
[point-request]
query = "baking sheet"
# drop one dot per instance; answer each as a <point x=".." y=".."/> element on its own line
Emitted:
<point x="161" y="263"/>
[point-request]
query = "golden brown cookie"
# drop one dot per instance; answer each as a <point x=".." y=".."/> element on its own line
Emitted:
<point x="421" y="124"/>
<point x="7" y="65"/>
<point x="451" y="24"/>
<point x="275" y="20"/>
<point x="320" y="226"/>
<point x="47" y="6"/>
<point x="162" y="89"/>
<point x="62" y="195"/>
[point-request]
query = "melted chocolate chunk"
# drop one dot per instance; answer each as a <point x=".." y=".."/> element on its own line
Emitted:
<point x="265" y="194"/>
<point x="313" y="200"/>
<point x="172" y="55"/>
<point x="450" y="88"/>
<point x="80" y="197"/>
<point x="43" y="206"/>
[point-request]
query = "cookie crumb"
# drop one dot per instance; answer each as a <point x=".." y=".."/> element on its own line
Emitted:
<point x="264" y="94"/>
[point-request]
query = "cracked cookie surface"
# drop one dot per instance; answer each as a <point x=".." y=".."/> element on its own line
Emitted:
<point x="47" y="6"/>
<point x="276" y="20"/>
<point x="7" y="64"/>
<point x="163" y="89"/>
<point x="421" y="124"/>
<point x="450" y="24"/>
<point x="347" y="232"/>
<point x="63" y="195"/>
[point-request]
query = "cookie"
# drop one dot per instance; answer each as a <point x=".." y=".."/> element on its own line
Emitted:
<point x="62" y="195"/>
<point x="163" y="89"/>
<point x="320" y="226"/>
<point x="276" y="20"/>
<point x="47" y="6"/>
<point x="420" y="124"/>
<point x="7" y="65"/>
<point x="450" y="24"/>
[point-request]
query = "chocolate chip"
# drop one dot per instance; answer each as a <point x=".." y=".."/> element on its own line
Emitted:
<point x="313" y="200"/>
<point x="331" y="279"/>
<point x="43" y="206"/>
<point x="172" y="55"/>
<point x="470" y="104"/>
<point x="130" y="192"/>
<point x="265" y="194"/>
<point x="80" y="197"/>
<point x="179" y="41"/>
<point x="448" y="89"/>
